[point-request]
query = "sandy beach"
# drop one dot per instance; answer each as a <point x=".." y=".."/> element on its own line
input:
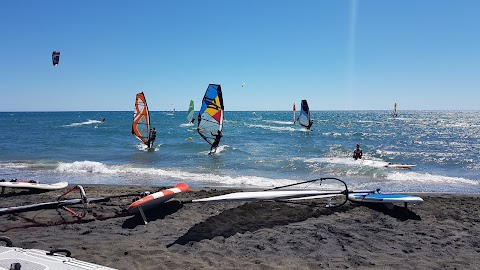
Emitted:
<point x="441" y="233"/>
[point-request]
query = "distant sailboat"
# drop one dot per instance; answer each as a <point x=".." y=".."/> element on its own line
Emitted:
<point x="190" y="112"/>
<point x="294" y="114"/>
<point x="304" y="118"/>
<point x="210" y="116"/>
<point x="394" y="114"/>
<point x="141" y="120"/>
<point x="172" y="111"/>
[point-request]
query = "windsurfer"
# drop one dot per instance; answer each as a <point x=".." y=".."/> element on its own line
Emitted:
<point x="152" y="137"/>
<point x="215" y="143"/>
<point x="310" y="123"/>
<point x="357" y="153"/>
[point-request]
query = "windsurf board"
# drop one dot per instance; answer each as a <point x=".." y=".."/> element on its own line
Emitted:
<point x="400" y="166"/>
<point x="19" y="258"/>
<point x="383" y="198"/>
<point x="157" y="198"/>
<point x="31" y="184"/>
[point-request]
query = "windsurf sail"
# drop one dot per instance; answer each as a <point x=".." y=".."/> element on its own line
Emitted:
<point x="55" y="58"/>
<point x="210" y="116"/>
<point x="190" y="112"/>
<point x="294" y="113"/>
<point x="304" y="118"/>
<point x="394" y="114"/>
<point x="141" y="119"/>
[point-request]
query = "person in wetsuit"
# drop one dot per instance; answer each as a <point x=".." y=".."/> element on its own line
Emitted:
<point x="152" y="137"/>
<point x="357" y="153"/>
<point x="215" y="143"/>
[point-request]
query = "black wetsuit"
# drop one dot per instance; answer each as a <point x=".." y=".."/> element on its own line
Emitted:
<point x="153" y="136"/>
<point x="357" y="153"/>
<point x="215" y="143"/>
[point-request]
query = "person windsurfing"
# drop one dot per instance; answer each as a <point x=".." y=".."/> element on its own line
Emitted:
<point x="152" y="137"/>
<point x="216" y="141"/>
<point x="357" y="153"/>
<point x="310" y="123"/>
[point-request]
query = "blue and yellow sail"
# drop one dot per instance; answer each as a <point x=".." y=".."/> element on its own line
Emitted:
<point x="210" y="116"/>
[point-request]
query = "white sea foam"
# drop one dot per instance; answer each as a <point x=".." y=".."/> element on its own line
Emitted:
<point x="348" y="161"/>
<point x="85" y="167"/>
<point x="13" y="165"/>
<point x="273" y="128"/>
<point x="143" y="147"/>
<point x="279" y="122"/>
<point x="89" y="122"/>
<point x="428" y="178"/>
<point x="218" y="180"/>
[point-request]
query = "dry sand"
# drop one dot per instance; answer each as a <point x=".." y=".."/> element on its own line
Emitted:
<point x="441" y="233"/>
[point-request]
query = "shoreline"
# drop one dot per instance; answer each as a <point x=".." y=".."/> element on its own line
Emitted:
<point x="441" y="232"/>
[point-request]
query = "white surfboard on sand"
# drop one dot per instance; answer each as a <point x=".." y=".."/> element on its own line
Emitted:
<point x="31" y="184"/>
<point x="19" y="258"/>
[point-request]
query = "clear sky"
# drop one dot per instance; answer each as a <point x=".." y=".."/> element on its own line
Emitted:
<point x="337" y="54"/>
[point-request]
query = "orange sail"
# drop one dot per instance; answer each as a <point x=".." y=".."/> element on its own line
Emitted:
<point x="141" y="119"/>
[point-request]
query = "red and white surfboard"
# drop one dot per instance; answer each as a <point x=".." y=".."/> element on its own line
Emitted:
<point x="157" y="198"/>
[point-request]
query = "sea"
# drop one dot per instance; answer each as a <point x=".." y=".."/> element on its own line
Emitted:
<point x="259" y="149"/>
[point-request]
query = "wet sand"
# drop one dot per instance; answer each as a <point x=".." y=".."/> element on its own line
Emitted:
<point x="441" y="233"/>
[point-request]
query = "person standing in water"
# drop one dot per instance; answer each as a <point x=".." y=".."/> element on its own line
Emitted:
<point x="215" y="143"/>
<point x="152" y="137"/>
<point x="357" y="153"/>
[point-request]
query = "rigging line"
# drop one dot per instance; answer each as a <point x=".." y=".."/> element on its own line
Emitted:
<point x="207" y="120"/>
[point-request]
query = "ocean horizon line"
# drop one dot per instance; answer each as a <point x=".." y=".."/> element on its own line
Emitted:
<point x="312" y="110"/>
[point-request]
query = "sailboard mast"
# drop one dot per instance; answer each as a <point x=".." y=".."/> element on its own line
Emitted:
<point x="210" y="116"/>
<point x="304" y="118"/>
<point x="294" y="113"/>
<point x="141" y="119"/>
<point x="190" y="113"/>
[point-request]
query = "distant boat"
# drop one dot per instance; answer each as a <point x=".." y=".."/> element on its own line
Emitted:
<point x="304" y="118"/>
<point x="294" y="114"/>
<point x="394" y="114"/>
<point x="210" y="116"/>
<point x="190" y="113"/>
<point x="141" y="120"/>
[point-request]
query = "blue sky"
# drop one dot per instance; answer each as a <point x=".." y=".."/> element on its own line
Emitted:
<point x="337" y="54"/>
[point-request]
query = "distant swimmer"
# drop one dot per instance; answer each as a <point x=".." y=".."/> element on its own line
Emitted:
<point x="357" y="153"/>
<point x="103" y="120"/>
<point x="215" y="143"/>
